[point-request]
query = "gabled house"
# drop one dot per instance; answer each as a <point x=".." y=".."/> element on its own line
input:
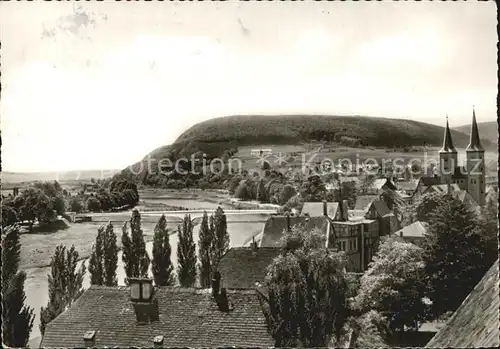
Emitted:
<point x="475" y="324"/>
<point x="317" y="209"/>
<point x="357" y="237"/>
<point x="455" y="191"/>
<point x="379" y="185"/>
<point x="170" y="317"/>
<point x="373" y="207"/>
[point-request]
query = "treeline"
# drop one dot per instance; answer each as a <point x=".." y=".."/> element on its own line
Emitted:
<point x="41" y="202"/>
<point x="121" y="195"/>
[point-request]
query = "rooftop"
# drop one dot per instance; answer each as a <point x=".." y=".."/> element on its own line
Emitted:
<point x="416" y="229"/>
<point x="475" y="324"/>
<point x="187" y="318"/>
<point x="315" y="209"/>
<point x="244" y="267"/>
<point x="276" y="225"/>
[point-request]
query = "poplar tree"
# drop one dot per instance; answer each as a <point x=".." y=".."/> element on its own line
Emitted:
<point x="17" y="317"/>
<point x="220" y="241"/>
<point x="96" y="259"/>
<point x="205" y="251"/>
<point x="186" y="254"/>
<point x="135" y="256"/>
<point x="163" y="271"/>
<point x="110" y="256"/>
<point x="65" y="284"/>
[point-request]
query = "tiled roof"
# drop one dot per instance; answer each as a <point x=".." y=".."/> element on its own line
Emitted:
<point x="427" y="181"/>
<point x="188" y="318"/>
<point x="465" y="197"/>
<point x="407" y="185"/>
<point x="363" y="202"/>
<point x="416" y="229"/>
<point x="243" y="267"/>
<point x="276" y="225"/>
<point x="380" y="182"/>
<point x="442" y="188"/>
<point x="381" y="208"/>
<point x="315" y="209"/>
<point x="475" y="323"/>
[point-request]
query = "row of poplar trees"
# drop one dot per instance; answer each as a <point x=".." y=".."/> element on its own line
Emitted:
<point x="213" y="244"/>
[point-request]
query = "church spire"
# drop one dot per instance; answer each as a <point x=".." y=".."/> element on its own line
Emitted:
<point x="475" y="142"/>
<point x="447" y="142"/>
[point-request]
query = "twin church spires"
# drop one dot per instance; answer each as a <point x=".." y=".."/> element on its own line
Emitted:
<point x="473" y="180"/>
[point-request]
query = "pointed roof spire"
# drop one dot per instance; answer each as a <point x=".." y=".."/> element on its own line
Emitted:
<point x="475" y="142"/>
<point x="447" y="141"/>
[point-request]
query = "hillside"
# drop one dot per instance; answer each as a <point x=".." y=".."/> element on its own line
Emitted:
<point x="293" y="129"/>
<point x="487" y="130"/>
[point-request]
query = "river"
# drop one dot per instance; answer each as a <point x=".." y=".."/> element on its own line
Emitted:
<point x="240" y="228"/>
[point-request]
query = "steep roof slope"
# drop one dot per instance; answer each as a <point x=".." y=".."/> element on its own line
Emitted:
<point x="275" y="227"/>
<point x="476" y="323"/>
<point x="188" y="318"/>
<point x="243" y="267"/>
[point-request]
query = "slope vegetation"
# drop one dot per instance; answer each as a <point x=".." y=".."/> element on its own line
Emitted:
<point x="487" y="130"/>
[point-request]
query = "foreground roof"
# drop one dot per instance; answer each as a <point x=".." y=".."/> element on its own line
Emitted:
<point x="243" y="267"/>
<point x="188" y="318"/>
<point x="363" y="202"/>
<point x="475" y="323"/>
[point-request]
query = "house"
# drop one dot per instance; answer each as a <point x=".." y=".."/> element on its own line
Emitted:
<point x="407" y="187"/>
<point x="356" y="236"/>
<point x="316" y="209"/>
<point x="261" y="152"/>
<point x="413" y="233"/>
<point x="373" y="207"/>
<point x="456" y="192"/>
<point x="141" y="315"/>
<point x="425" y="182"/>
<point x="379" y="185"/>
<point x="246" y="267"/>
<point x="475" y="324"/>
<point x="275" y="227"/>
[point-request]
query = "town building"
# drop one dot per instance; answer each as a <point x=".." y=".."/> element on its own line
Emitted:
<point x="475" y="323"/>
<point x="413" y="233"/>
<point x="470" y="177"/>
<point x="141" y="315"/>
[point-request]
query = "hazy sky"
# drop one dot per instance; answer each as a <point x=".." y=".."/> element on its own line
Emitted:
<point x="98" y="85"/>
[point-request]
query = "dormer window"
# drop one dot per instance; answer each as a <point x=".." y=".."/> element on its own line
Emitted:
<point x="140" y="289"/>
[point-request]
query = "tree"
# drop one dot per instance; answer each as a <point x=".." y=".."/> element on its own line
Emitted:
<point x="186" y="254"/>
<point x="205" y="251"/>
<point x="244" y="191"/>
<point x="220" y="239"/>
<point x="453" y="254"/>
<point x="9" y="215"/>
<point x="489" y="225"/>
<point x="394" y="284"/>
<point x="313" y="189"/>
<point x="421" y="209"/>
<point x="135" y="256"/>
<point x="65" y="284"/>
<point x="394" y="202"/>
<point x="364" y="186"/>
<point x="75" y="205"/>
<point x="17" y="317"/>
<point x="96" y="267"/>
<point x="306" y="302"/>
<point x="261" y="191"/>
<point x="163" y="271"/>
<point x="110" y="254"/>
<point x="347" y="192"/>
<point x="93" y="204"/>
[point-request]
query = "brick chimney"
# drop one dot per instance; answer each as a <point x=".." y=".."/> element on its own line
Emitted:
<point x="89" y="339"/>
<point x="143" y="298"/>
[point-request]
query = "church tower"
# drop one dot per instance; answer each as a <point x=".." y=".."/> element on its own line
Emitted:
<point x="448" y="157"/>
<point x="476" y="184"/>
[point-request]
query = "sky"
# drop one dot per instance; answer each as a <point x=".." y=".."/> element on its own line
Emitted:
<point x="99" y="85"/>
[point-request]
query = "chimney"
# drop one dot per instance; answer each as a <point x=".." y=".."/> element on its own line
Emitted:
<point x="89" y="339"/>
<point x="254" y="245"/>
<point x="144" y="300"/>
<point x="158" y="341"/>
<point x="401" y="233"/>
<point x="216" y="284"/>
<point x="287" y="221"/>
<point x="325" y="208"/>
<point x="219" y="293"/>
